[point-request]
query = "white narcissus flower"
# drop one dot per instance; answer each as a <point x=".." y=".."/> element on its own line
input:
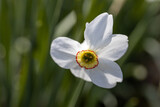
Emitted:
<point x="93" y="60"/>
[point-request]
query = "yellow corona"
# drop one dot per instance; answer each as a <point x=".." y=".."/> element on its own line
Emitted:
<point x="87" y="59"/>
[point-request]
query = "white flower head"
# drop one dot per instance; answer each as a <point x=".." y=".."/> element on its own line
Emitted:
<point x="93" y="60"/>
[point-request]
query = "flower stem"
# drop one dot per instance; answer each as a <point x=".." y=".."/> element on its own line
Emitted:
<point x="76" y="94"/>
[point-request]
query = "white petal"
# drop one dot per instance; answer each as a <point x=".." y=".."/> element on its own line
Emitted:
<point x="80" y="73"/>
<point x="106" y="75"/>
<point x="98" y="32"/>
<point x="100" y="79"/>
<point x="115" y="49"/>
<point x="111" y="68"/>
<point x="84" y="45"/>
<point x="63" y="52"/>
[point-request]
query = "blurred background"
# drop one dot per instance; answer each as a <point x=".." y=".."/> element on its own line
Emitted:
<point x="30" y="78"/>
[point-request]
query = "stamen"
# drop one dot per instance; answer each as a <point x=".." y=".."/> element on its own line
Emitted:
<point x="85" y="55"/>
<point x="86" y="60"/>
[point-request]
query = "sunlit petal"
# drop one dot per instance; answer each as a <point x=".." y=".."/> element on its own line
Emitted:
<point x="116" y="48"/>
<point x="98" y="32"/>
<point x="63" y="51"/>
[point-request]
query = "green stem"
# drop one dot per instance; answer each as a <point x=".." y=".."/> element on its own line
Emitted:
<point x="76" y="94"/>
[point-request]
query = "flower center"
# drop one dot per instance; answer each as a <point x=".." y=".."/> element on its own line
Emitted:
<point x="87" y="59"/>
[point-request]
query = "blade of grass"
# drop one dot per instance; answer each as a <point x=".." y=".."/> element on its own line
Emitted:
<point x="5" y="39"/>
<point x="76" y="94"/>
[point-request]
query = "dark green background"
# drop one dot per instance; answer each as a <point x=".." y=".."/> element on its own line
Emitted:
<point x="30" y="78"/>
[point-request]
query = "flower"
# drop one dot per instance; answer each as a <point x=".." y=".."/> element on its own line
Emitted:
<point x="93" y="60"/>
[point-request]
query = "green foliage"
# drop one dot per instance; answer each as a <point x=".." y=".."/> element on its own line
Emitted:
<point x="30" y="78"/>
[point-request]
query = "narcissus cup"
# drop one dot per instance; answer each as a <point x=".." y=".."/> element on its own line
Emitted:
<point x="93" y="60"/>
